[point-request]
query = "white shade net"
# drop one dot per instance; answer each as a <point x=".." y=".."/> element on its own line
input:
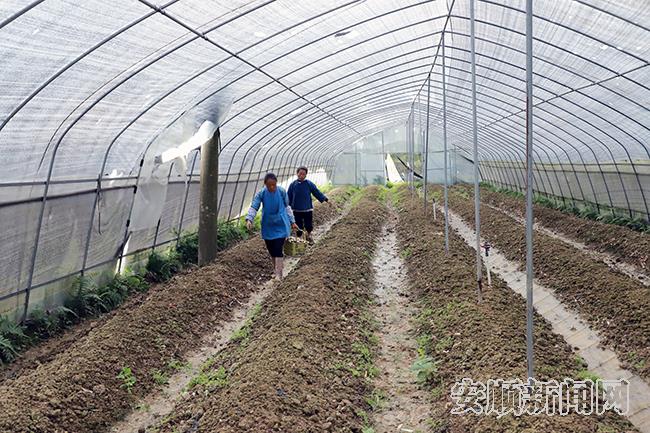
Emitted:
<point x="89" y="91"/>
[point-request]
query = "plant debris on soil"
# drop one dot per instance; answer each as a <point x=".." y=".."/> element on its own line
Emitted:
<point x="460" y="338"/>
<point x="625" y="244"/>
<point x="303" y="362"/>
<point x="87" y="384"/>
<point x="615" y="305"/>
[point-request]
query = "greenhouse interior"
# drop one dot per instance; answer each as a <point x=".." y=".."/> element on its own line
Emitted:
<point x="359" y="216"/>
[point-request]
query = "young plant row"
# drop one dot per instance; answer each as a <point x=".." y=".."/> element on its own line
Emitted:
<point x="624" y="243"/>
<point x="100" y="376"/>
<point x="85" y="299"/>
<point x="589" y="211"/>
<point x="460" y="338"/>
<point x="304" y="359"/>
<point x="615" y="305"/>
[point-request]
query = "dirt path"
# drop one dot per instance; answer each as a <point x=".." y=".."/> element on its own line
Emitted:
<point x="158" y="405"/>
<point x="626" y="268"/>
<point x="406" y="407"/>
<point x="569" y="325"/>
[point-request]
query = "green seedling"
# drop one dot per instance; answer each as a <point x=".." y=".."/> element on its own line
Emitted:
<point x="128" y="379"/>
<point x="209" y="379"/>
<point x="159" y="377"/>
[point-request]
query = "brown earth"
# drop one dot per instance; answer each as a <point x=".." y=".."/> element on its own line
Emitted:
<point x="46" y="350"/>
<point x="625" y="244"/>
<point x="615" y="305"/>
<point x="300" y="365"/>
<point x="78" y="389"/>
<point x="480" y="341"/>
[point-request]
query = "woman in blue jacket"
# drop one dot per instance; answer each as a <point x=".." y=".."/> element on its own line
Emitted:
<point x="277" y="219"/>
<point x="300" y="192"/>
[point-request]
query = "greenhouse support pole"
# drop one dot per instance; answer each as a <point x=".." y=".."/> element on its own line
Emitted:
<point x="529" y="188"/>
<point x="187" y="192"/>
<point x="477" y="200"/>
<point x="209" y="210"/>
<point x="444" y="144"/>
<point x="426" y="146"/>
<point x="383" y="157"/>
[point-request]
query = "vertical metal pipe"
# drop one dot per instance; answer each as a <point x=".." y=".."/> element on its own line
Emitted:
<point x="444" y="143"/>
<point x="383" y="156"/>
<point x="529" y="187"/>
<point x="209" y="210"/>
<point x="477" y="200"/>
<point x="90" y="227"/>
<point x="187" y="191"/>
<point x="356" y="174"/>
<point x="426" y="146"/>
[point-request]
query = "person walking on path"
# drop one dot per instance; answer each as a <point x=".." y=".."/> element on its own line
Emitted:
<point x="277" y="219"/>
<point x="300" y="192"/>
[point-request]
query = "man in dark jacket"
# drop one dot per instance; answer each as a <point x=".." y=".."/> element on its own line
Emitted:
<point x="300" y="192"/>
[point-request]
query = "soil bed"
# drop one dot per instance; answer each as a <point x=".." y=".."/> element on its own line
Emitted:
<point x="623" y="243"/>
<point x="613" y="304"/>
<point x="78" y="390"/>
<point x="300" y="363"/>
<point x="484" y="341"/>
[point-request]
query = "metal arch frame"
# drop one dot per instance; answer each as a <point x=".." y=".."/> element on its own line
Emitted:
<point x="290" y="102"/>
<point x="637" y="174"/>
<point x="314" y="42"/>
<point x="604" y="146"/>
<point x="560" y="83"/>
<point x="564" y="26"/>
<point x="56" y="147"/>
<point x="565" y="86"/>
<point x="20" y="13"/>
<point x="598" y="102"/>
<point x="161" y="11"/>
<point x="76" y="60"/>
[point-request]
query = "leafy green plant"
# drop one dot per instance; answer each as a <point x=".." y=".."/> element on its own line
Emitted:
<point x="376" y="399"/>
<point x="83" y="298"/>
<point x="210" y="379"/>
<point x="8" y="351"/>
<point x="128" y="379"/>
<point x="188" y="248"/>
<point x="159" y="377"/>
<point x="161" y="268"/>
<point x="43" y="324"/>
<point x="424" y="368"/>
<point x="13" y="332"/>
<point x="177" y="365"/>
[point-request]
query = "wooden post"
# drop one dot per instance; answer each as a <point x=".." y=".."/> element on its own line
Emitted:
<point x="209" y="210"/>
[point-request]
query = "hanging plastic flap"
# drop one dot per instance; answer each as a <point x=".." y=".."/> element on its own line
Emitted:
<point x="150" y="195"/>
<point x="192" y="130"/>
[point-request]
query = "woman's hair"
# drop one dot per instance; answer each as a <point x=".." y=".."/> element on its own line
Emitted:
<point x="302" y="167"/>
<point x="270" y="176"/>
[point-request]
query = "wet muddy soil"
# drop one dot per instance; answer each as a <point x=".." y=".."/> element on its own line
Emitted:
<point x="78" y="389"/>
<point x="303" y="362"/>
<point x="465" y="339"/>
<point x="626" y="245"/>
<point x="404" y="405"/>
<point x="615" y="305"/>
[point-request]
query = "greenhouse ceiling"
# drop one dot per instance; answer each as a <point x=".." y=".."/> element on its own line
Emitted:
<point x="89" y="87"/>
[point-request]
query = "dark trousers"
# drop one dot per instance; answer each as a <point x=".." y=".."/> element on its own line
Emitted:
<point x="304" y="221"/>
